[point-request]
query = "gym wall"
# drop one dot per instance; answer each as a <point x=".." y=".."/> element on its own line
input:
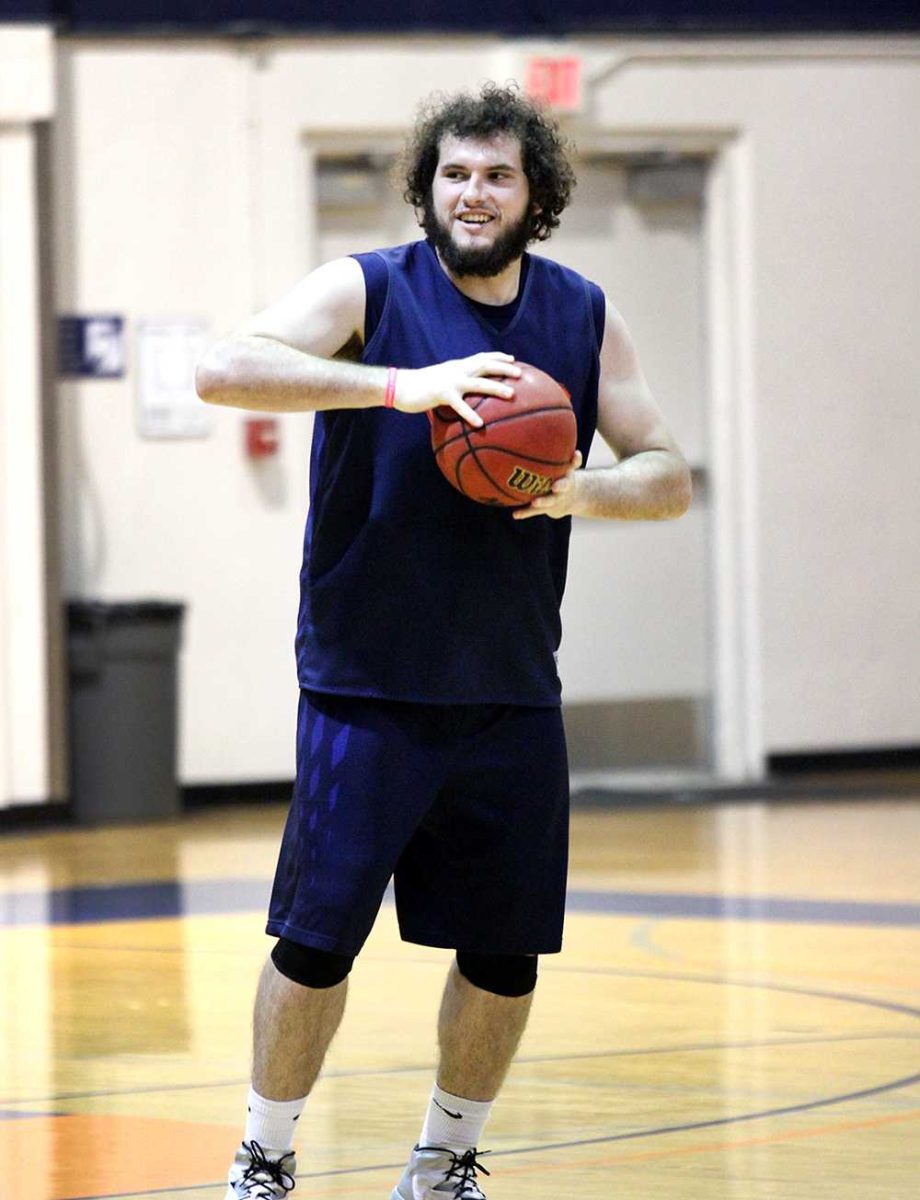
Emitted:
<point x="183" y="187"/>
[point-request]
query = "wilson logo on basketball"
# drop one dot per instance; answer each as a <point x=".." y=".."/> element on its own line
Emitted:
<point x="529" y="482"/>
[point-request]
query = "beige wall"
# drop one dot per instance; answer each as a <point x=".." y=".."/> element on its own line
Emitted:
<point x="834" y="187"/>
<point x="183" y="177"/>
<point x="154" y="220"/>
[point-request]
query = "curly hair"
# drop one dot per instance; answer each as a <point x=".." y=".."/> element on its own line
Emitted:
<point x="496" y="110"/>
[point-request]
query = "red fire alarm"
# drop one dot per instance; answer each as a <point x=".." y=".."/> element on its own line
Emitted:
<point x="262" y="440"/>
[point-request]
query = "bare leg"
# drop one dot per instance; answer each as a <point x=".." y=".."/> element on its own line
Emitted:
<point x="292" y="1029"/>
<point x="478" y="1033"/>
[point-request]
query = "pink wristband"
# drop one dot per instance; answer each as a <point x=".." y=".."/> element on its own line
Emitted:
<point x="390" y="394"/>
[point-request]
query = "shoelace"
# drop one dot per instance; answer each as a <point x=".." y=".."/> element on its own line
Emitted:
<point x="265" y="1173"/>
<point x="463" y="1167"/>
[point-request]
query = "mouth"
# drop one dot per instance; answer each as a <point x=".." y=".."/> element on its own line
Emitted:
<point x="474" y="220"/>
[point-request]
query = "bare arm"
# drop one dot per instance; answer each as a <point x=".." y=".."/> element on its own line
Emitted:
<point x="651" y="480"/>
<point x="282" y="360"/>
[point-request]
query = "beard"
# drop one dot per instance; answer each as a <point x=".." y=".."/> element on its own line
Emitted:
<point x="484" y="262"/>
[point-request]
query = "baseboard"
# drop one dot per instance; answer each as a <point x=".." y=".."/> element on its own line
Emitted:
<point x="868" y="758"/>
<point x="29" y="818"/>
<point x="883" y="771"/>
<point x="206" y="795"/>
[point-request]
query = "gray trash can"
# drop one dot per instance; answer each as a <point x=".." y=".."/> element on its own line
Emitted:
<point x="123" y="709"/>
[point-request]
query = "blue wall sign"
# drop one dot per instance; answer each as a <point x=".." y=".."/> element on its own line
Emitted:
<point x="91" y="347"/>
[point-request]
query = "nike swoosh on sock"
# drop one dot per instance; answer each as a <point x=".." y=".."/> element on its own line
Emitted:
<point x="456" y="1116"/>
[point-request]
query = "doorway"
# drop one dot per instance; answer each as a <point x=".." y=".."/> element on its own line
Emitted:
<point x="636" y="656"/>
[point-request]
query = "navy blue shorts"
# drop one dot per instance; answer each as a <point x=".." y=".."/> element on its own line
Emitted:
<point x="466" y="806"/>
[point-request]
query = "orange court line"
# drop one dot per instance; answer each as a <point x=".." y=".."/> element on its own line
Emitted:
<point x="72" y="1156"/>
<point x="648" y="1155"/>
<point x="710" y="1147"/>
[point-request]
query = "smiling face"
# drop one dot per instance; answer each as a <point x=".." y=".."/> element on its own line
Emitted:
<point x="479" y="212"/>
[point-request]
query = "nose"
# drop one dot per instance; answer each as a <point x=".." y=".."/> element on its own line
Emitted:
<point x="473" y="189"/>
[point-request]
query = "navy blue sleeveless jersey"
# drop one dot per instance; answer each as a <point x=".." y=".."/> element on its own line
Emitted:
<point x="410" y="591"/>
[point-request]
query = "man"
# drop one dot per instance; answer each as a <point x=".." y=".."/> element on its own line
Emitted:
<point x="430" y="743"/>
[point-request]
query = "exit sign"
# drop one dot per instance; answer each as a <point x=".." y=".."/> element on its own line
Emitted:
<point x="555" y="82"/>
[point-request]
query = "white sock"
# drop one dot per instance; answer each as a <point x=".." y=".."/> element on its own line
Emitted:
<point x="453" y="1121"/>
<point x="271" y="1123"/>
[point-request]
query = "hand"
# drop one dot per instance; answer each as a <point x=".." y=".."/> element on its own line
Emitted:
<point x="560" y="502"/>
<point x="447" y="383"/>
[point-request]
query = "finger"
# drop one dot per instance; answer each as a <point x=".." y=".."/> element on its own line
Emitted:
<point x="492" y="367"/>
<point x="533" y="509"/>
<point x="554" y="503"/>
<point x="563" y="483"/>
<point x="462" y="409"/>
<point x="484" y="386"/>
<point x="495" y="354"/>
<point x="577" y="460"/>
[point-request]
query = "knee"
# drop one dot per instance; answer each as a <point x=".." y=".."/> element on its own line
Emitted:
<point x="308" y="966"/>
<point x="503" y="974"/>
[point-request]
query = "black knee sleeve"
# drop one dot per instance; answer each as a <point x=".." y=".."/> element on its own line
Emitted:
<point x="310" y="967"/>
<point x="502" y="974"/>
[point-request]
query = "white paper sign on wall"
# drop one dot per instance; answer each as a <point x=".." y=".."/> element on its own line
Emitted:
<point x="168" y="350"/>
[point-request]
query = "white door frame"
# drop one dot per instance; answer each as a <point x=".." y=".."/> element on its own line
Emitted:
<point x="26" y="67"/>
<point x="738" y="748"/>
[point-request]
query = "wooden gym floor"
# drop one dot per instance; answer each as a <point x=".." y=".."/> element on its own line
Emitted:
<point x="735" y="1014"/>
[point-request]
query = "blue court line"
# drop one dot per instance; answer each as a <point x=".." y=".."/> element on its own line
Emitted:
<point x="11" y="1114"/>
<point x="675" y="1048"/>
<point x="745" y="908"/>
<point x="134" y="902"/>
<point x="901" y="1083"/>
<point x="609" y="1139"/>
<point x="158" y="899"/>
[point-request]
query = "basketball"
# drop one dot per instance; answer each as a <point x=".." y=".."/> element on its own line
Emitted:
<point x="523" y="446"/>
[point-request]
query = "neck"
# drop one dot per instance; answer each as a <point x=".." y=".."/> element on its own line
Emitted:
<point x="495" y="289"/>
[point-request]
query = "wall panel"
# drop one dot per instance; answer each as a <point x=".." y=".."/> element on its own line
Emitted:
<point x="190" y="191"/>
